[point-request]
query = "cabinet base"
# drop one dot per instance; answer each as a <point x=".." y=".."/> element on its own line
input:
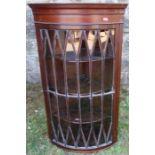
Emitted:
<point x="89" y="149"/>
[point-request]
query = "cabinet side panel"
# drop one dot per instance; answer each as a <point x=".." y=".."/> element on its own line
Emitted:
<point x="118" y="52"/>
<point x="44" y="78"/>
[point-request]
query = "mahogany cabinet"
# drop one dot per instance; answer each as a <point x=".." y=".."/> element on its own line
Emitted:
<point x="79" y="48"/>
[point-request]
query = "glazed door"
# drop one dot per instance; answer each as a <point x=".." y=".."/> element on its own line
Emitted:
<point x="80" y="68"/>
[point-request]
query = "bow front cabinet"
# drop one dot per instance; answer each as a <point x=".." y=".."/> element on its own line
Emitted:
<point x="79" y="47"/>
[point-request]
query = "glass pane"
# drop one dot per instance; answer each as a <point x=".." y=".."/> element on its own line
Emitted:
<point x="49" y="67"/>
<point x="96" y="77"/>
<point x="90" y="39"/>
<point x="107" y="39"/>
<point x="85" y="110"/>
<point x="60" y="76"/>
<point x="97" y="108"/>
<point x="108" y="75"/>
<point x="74" y="110"/>
<point x="84" y="77"/>
<point x="97" y="47"/>
<point x="71" y="78"/>
<point x="107" y="110"/>
<point x="72" y="44"/>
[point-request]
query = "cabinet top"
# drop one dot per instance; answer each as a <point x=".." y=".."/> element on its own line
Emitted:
<point x="78" y="5"/>
<point x="75" y="13"/>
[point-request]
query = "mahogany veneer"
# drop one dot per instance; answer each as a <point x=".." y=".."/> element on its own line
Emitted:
<point x="79" y="47"/>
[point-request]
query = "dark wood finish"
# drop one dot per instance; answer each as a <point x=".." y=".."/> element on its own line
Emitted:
<point x="81" y="16"/>
<point x="78" y="13"/>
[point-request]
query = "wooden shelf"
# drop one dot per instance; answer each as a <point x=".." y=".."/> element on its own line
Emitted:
<point x="71" y="57"/>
